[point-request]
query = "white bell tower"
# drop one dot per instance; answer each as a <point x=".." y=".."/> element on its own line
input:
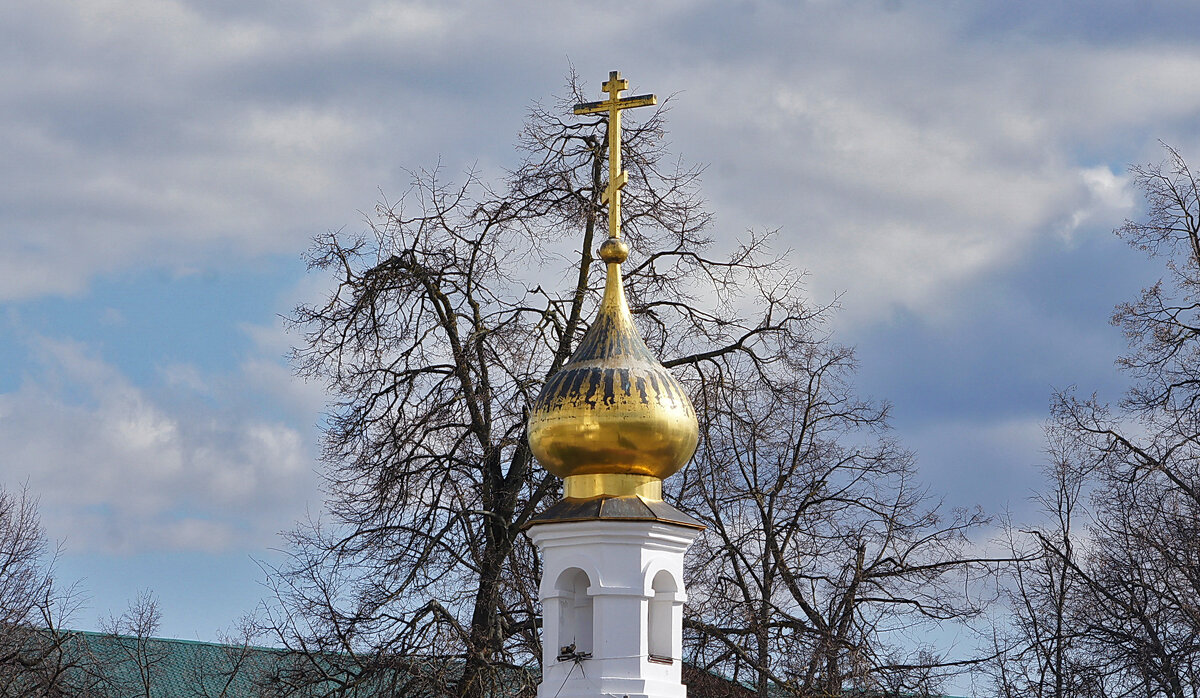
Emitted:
<point x="612" y="600"/>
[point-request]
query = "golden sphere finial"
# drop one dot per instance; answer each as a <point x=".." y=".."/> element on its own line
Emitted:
<point x="614" y="251"/>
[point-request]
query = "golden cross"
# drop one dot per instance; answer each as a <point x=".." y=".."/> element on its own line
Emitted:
<point x="616" y="176"/>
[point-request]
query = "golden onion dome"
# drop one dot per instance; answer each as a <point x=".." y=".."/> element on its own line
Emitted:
<point x="613" y="421"/>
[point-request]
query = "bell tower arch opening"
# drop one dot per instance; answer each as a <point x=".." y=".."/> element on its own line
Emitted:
<point x="661" y="623"/>
<point x="575" y="614"/>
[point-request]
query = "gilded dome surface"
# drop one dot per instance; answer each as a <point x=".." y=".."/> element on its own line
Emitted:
<point x="613" y="409"/>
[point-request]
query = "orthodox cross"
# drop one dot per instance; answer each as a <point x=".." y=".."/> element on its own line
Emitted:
<point x="616" y="176"/>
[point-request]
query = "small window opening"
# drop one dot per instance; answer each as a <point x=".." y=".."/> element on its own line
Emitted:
<point x="661" y="623"/>
<point x="574" y="617"/>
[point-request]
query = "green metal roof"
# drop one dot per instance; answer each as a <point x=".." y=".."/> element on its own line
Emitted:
<point x="165" y="668"/>
<point x="110" y="666"/>
<point x="103" y="665"/>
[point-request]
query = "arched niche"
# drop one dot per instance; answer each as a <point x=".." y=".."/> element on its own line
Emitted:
<point x="661" y="623"/>
<point x="575" y="611"/>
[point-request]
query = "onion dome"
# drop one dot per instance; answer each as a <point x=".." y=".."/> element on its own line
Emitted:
<point x="613" y="421"/>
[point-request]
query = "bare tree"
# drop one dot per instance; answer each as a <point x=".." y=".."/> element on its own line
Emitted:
<point x="126" y="660"/>
<point x="1039" y="649"/>
<point x="1129" y="596"/>
<point x="824" y="559"/>
<point x="233" y="667"/>
<point x="32" y="604"/>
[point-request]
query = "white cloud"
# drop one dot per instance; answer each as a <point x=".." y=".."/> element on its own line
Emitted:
<point x="184" y="376"/>
<point x="262" y="373"/>
<point x="119" y="471"/>
<point x="1109" y="200"/>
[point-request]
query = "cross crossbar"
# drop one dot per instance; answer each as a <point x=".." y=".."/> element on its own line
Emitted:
<point x="623" y="103"/>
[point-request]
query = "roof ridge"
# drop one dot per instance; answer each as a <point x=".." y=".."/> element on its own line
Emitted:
<point x="176" y="640"/>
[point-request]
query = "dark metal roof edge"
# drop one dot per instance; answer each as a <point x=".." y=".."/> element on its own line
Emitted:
<point x="672" y="522"/>
<point x="595" y="509"/>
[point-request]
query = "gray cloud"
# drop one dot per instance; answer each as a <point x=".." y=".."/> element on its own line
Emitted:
<point x="920" y="149"/>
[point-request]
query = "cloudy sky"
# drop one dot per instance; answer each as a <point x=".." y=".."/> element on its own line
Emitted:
<point x="950" y="172"/>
